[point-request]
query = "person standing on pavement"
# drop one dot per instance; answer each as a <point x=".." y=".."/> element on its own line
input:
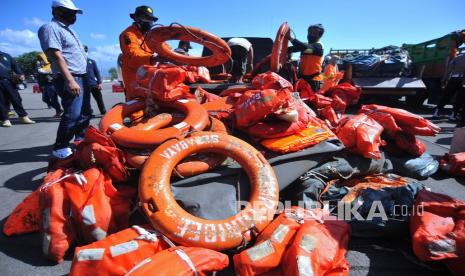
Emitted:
<point x="95" y="82"/>
<point x="135" y="51"/>
<point x="69" y="62"/>
<point x="311" y="56"/>
<point x="452" y="81"/>
<point x="10" y="75"/>
<point x="45" y="81"/>
<point x="242" y="58"/>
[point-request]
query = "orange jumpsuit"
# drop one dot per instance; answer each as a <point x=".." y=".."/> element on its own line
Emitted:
<point x="135" y="54"/>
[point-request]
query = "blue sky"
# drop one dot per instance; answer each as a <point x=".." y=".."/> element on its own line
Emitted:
<point x="349" y="24"/>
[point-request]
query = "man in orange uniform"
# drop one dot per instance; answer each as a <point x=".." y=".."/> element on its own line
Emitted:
<point x="311" y="56"/>
<point x="135" y="51"/>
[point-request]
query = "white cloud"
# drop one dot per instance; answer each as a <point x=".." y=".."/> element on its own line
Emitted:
<point x="106" y="53"/>
<point x="98" y="36"/>
<point x="36" y="22"/>
<point x="16" y="42"/>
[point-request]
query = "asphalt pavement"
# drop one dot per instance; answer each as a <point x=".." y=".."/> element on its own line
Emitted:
<point x="25" y="149"/>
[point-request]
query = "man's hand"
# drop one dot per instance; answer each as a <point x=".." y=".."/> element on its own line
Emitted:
<point x="74" y="87"/>
<point x="22" y="77"/>
<point x="154" y="59"/>
<point x="99" y="86"/>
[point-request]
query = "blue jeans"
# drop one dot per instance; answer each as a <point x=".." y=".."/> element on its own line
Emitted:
<point x="50" y="97"/>
<point x="76" y="112"/>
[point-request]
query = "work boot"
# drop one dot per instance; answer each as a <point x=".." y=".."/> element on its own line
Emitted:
<point x="10" y="114"/>
<point x="26" y="120"/>
<point x="6" y="123"/>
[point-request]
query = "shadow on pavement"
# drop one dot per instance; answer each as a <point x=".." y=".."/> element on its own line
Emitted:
<point x="444" y="141"/>
<point x="24" y="181"/>
<point x="25" y="155"/>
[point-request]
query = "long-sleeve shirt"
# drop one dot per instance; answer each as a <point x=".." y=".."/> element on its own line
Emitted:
<point x="8" y="66"/>
<point x="93" y="73"/>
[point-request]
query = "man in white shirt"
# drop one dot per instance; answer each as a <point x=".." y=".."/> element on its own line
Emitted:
<point x="242" y="57"/>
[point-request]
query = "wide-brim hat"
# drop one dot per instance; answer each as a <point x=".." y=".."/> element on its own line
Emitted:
<point x="145" y="12"/>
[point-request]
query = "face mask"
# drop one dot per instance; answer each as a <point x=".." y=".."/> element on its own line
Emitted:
<point x="68" y="17"/>
<point x="312" y="39"/>
<point x="144" y="26"/>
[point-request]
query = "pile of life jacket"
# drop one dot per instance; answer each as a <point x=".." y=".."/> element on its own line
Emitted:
<point x="454" y="164"/>
<point x="438" y="230"/>
<point x="330" y="102"/>
<point x="298" y="242"/>
<point x="81" y="207"/>
<point x="401" y="127"/>
<point x="140" y="250"/>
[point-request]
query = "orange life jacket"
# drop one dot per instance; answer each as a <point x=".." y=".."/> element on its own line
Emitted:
<point x="135" y="54"/>
<point x="315" y="132"/>
<point x="118" y="253"/>
<point x="438" y="227"/>
<point x="318" y="248"/>
<point x="56" y="227"/>
<point x="26" y="217"/>
<point x="99" y="150"/>
<point x="183" y="261"/>
<point x="311" y="66"/>
<point x="97" y="207"/>
<point x="271" y="244"/>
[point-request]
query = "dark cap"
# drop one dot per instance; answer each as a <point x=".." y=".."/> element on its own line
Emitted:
<point x="184" y="42"/>
<point x="144" y="12"/>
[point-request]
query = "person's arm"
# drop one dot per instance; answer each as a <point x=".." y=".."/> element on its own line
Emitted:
<point x="298" y="46"/>
<point x="97" y="74"/>
<point x="16" y="69"/>
<point x="250" y="60"/>
<point x="57" y="57"/>
<point x="129" y="44"/>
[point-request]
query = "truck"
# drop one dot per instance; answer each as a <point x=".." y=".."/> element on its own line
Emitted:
<point x="430" y="59"/>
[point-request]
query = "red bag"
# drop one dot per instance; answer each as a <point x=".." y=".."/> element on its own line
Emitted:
<point x="330" y="116"/>
<point x="362" y="135"/>
<point x="271" y="244"/>
<point x="454" y="164"/>
<point x="438" y="227"/>
<point x="255" y="105"/>
<point x="349" y="93"/>
<point x="384" y="119"/>
<point x="98" y="208"/>
<point x="99" y="150"/>
<point x="409" y="122"/>
<point x="319" y="248"/>
<point x="408" y="143"/>
<point x="182" y="261"/>
<point x="167" y="84"/>
<point x="305" y="90"/>
<point x="118" y="253"/>
<point x="275" y="128"/>
<point x="271" y="80"/>
<point x="338" y="104"/>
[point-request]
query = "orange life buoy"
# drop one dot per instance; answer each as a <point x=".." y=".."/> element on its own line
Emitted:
<point x="192" y="165"/>
<point x="234" y="89"/>
<point x="156" y="39"/>
<point x="149" y="135"/>
<point x="168" y="217"/>
<point x="279" y="51"/>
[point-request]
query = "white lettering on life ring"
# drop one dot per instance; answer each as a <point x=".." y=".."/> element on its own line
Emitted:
<point x="186" y="143"/>
<point x="116" y="126"/>
<point x="180" y="125"/>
